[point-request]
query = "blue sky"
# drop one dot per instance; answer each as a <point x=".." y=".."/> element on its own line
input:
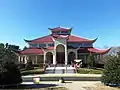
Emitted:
<point x="29" y="19"/>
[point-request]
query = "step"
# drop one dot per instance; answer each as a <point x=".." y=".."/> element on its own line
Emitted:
<point x="60" y="70"/>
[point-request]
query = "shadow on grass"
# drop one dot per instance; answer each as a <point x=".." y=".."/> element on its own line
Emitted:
<point x="28" y="86"/>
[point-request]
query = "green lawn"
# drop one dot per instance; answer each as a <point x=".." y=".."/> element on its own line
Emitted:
<point x="80" y="71"/>
<point x="34" y="71"/>
<point x="90" y="71"/>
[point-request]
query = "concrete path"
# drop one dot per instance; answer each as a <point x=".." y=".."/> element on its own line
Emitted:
<point x="72" y="85"/>
<point x="76" y="85"/>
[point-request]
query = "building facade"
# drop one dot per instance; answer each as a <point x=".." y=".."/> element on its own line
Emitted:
<point x="60" y="47"/>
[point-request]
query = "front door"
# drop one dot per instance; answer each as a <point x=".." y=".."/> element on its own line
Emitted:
<point x="60" y="57"/>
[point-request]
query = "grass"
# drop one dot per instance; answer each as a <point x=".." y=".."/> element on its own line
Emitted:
<point x="34" y="71"/>
<point x="90" y="71"/>
<point x="38" y="70"/>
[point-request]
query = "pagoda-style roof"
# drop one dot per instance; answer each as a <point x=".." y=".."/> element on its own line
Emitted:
<point x="60" y="29"/>
<point x="73" y="38"/>
<point x="70" y="38"/>
<point x="31" y="51"/>
<point x="41" y="39"/>
<point x="98" y="51"/>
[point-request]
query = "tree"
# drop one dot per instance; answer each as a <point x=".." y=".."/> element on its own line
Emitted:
<point x="90" y="61"/>
<point x="29" y="65"/>
<point x="111" y="74"/>
<point x="1" y="45"/>
<point x="24" y="48"/>
<point x="7" y="52"/>
<point x="9" y="72"/>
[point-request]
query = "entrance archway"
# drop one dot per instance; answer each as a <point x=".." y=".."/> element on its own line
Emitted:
<point x="71" y="57"/>
<point x="49" y="57"/>
<point x="60" y="54"/>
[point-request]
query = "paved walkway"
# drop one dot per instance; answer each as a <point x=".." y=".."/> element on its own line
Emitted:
<point x="72" y="85"/>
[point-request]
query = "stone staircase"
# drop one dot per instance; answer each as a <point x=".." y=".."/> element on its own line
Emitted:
<point x="60" y="69"/>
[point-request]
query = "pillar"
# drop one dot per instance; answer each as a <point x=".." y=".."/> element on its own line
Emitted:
<point x="54" y="57"/>
<point x="85" y="61"/>
<point x="22" y="60"/>
<point x="36" y="59"/>
<point x="66" y="55"/>
<point x="99" y="57"/>
<point x="25" y="58"/>
<point x="76" y="55"/>
<point x="44" y="58"/>
<point x="19" y="61"/>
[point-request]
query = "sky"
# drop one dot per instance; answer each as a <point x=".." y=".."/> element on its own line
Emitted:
<point x="30" y="19"/>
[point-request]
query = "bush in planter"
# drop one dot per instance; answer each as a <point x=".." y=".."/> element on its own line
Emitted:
<point x="111" y="74"/>
<point x="29" y="65"/>
<point x="9" y="73"/>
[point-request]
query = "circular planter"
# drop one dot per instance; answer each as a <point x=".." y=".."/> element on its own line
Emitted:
<point x="61" y="80"/>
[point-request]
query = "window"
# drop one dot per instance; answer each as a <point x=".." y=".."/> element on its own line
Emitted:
<point x="75" y="45"/>
<point x="64" y="32"/>
<point x="56" y="32"/>
<point x="50" y="45"/>
<point x="86" y="44"/>
<point x="42" y="45"/>
<point x="33" y="45"/>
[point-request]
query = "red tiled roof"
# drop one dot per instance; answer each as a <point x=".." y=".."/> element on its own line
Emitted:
<point x="59" y="29"/>
<point x="41" y="39"/>
<point x="98" y="51"/>
<point x="32" y="51"/>
<point x="73" y="38"/>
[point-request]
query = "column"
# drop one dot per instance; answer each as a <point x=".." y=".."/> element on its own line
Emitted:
<point x="76" y="55"/>
<point x="22" y="59"/>
<point x="36" y="59"/>
<point x="19" y="60"/>
<point x="66" y="56"/>
<point x="25" y="58"/>
<point x="85" y="61"/>
<point x="99" y="57"/>
<point x="54" y="57"/>
<point x="44" y="58"/>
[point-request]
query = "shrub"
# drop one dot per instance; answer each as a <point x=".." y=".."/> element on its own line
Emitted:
<point x="36" y="71"/>
<point x="9" y="73"/>
<point x="90" y="61"/>
<point x="111" y="74"/>
<point x="29" y="65"/>
<point x="90" y="71"/>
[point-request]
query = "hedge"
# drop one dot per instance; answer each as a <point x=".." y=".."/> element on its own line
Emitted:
<point x="35" y="71"/>
<point x="90" y="71"/>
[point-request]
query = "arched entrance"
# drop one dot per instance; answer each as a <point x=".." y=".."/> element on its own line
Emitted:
<point x="60" y="54"/>
<point x="49" y="57"/>
<point x="71" y="57"/>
